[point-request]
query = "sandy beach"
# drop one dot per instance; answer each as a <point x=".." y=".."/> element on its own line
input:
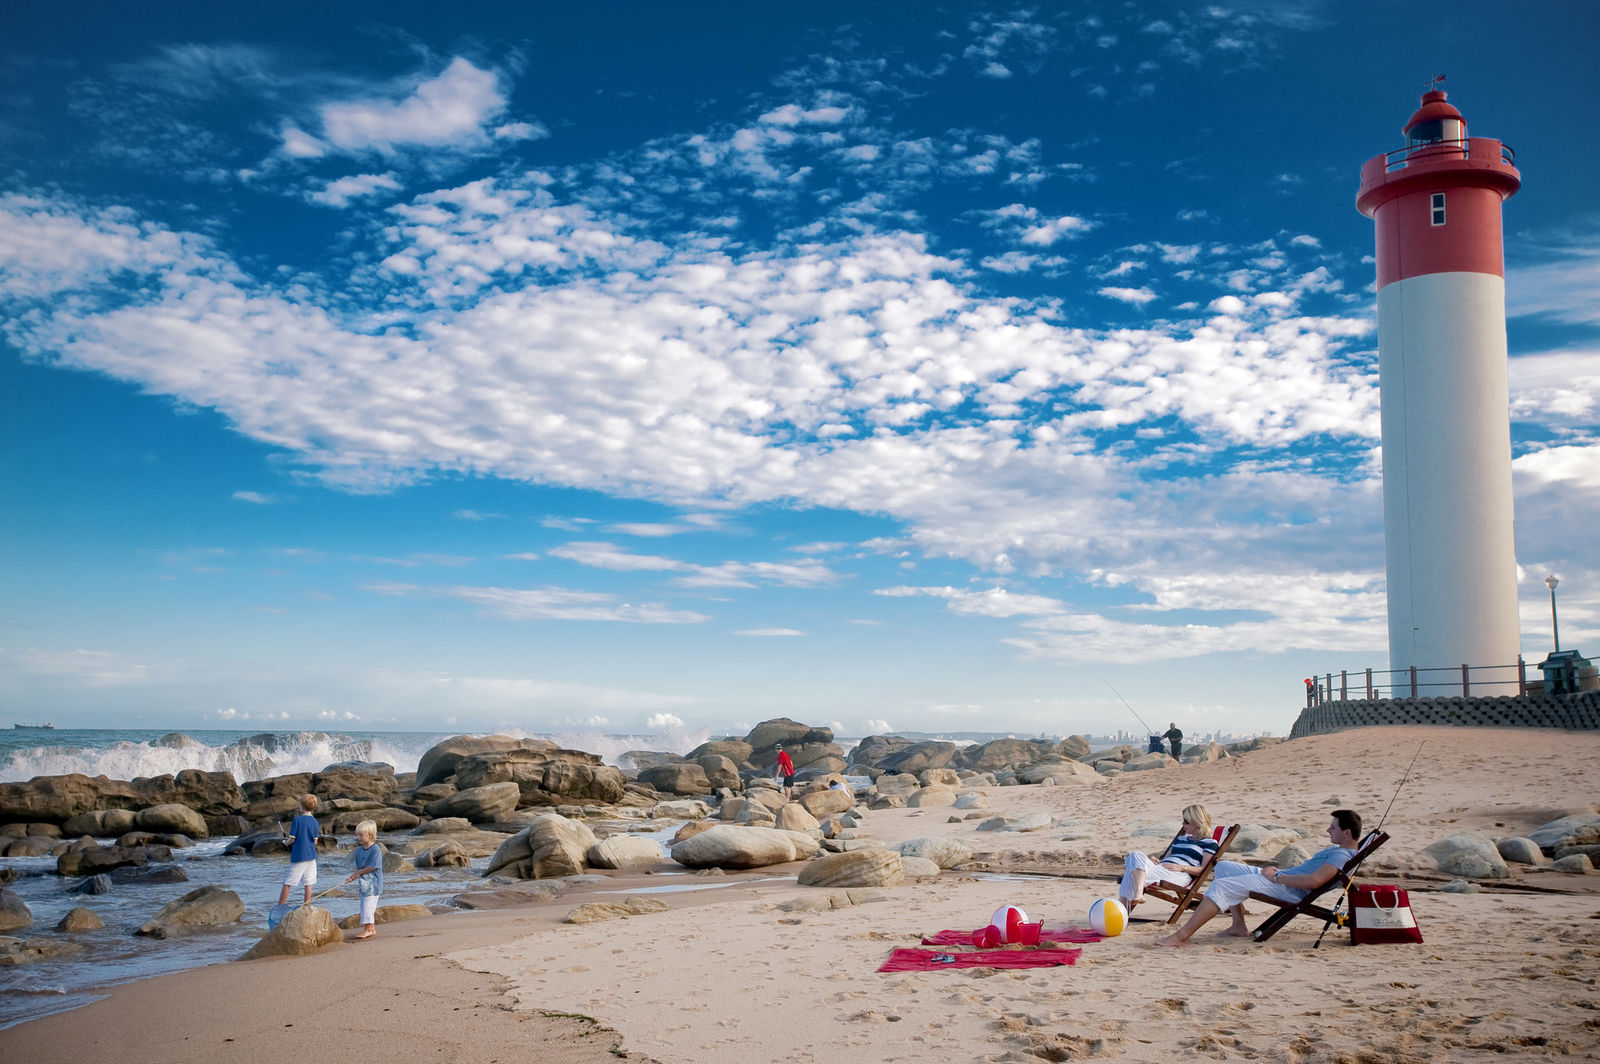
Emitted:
<point x="735" y="971"/>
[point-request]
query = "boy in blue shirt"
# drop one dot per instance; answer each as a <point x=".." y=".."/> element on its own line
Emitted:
<point x="367" y="859"/>
<point x="303" y="835"/>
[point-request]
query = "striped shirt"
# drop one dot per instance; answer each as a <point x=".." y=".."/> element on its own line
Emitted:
<point x="1188" y="850"/>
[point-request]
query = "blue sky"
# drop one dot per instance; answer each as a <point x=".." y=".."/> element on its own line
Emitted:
<point x="617" y="367"/>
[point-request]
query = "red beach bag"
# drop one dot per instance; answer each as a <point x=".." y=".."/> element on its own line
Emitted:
<point x="1381" y="914"/>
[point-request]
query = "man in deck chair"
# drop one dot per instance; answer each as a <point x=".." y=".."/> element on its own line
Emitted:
<point x="1235" y="882"/>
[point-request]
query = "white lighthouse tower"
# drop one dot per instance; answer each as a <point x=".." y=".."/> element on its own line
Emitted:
<point x="1447" y="522"/>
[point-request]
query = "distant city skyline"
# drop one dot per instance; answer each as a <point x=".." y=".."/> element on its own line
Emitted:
<point x="647" y="367"/>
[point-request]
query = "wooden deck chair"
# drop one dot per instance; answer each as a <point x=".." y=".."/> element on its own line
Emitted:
<point x="1307" y="906"/>
<point x="1186" y="898"/>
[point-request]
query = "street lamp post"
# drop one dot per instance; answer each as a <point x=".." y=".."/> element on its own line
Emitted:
<point x="1555" y="631"/>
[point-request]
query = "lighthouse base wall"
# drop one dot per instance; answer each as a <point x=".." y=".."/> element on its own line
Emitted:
<point x="1577" y="712"/>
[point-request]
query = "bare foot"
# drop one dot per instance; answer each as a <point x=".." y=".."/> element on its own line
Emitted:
<point x="1129" y="903"/>
<point x="1238" y="932"/>
<point x="367" y="934"/>
<point x="1172" y="940"/>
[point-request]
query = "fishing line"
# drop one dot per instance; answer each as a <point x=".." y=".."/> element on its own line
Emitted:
<point x="1135" y="712"/>
<point x="1340" y="901"/>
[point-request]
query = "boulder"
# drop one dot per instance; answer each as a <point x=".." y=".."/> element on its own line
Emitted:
<point x="1025" y="822"/>
<point x="1468" y="854"/>
<point x="918" y="756"/>
<point x="1259" y="840"/>
<point x="1520" y="850"/>
<point x="172" y="817"/>
<point x="595" y="911"/>
<point x="681" y="777"/>
<point x="901" y="784"/>
<point x="1061" y="770"/>
<point x="1005" y="753"/>
<point x="735" y="750"/>
<point x="386" y="914"/>
<point x="439" y="763"/>
<point x="720" y="771"/>
<point x="441" y="853"/>
<point x="491" y="802"/>
<point x="868" y="867"/>
<point x="941" y="850"/>
<point x="137" y="874"/>
<point x="362" y="780"/>
<point x="728" y="846"/>
<point x="972" y="800"/>
<point x="14" y="953"/>
<point x="1577" y="864"/>
<point x="1147" y="762"/>
<point x="302" y="932"/>
<point x="681" y="809"/>
<point x="96" y="859"/>
<point x="792" y="734"/>
<point x="1566" y="830"/>
<point x="508" y="897"/>
<point x="874" y="748"/>
<point x="545" y="775"/>
<point x="208" y="906"/>
<point x="80" y="919"/>
<point x="932" y="796"/>
<point x="387" y="819"/>
<point x="944" y="777"/>
<point x="14" y="912"/>
<point x="918" y="867"/>
<point x="625" y="851"/>
<point x="28" y="846"/>
<point x="823" y="802"/>
<point x="550" y="847"/>
<point x="99" y="883"/>
<point x="207" y="793"/>
<point x="795" y="817"/>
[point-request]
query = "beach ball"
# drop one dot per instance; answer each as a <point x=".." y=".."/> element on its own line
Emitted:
<point x="1108" y="917"/>
<point x="1008" y="920"/>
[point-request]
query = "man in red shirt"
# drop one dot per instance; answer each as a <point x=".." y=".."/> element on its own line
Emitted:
<point x="786" y="770"/>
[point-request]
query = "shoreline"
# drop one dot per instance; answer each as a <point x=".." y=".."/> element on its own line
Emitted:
<point x="727" y="969"/>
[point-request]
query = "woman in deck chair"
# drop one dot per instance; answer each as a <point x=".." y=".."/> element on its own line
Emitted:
<point x="1177" y="865"/>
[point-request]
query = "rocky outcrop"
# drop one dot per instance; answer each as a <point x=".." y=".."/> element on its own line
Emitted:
<point x="441" y="761"/>
<point x="302" y="932"/>
<point x="868" y="867"/>
<point x="172" y="817"/>
<point x="209" y="906"/>
<point x="595" y="911"/>
<point x="919" y="756"/>
<point x="1061" y="771"/>
<point x="361" y="780"/>
<point x="550" y="847"/>
<point x="941" y="850"/>
<point x="485" y="804"/>
<point x="625" y="851"/>
<point x="821" y="803"/>
<point x="14" y="912"/>
<point x="1468" y="854"/>
<point x="730" y="846"/>
<point x="545" y="776"/>
<point x="686" y="778"/>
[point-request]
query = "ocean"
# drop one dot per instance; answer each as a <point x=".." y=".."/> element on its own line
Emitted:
<point x="115" y="954"/>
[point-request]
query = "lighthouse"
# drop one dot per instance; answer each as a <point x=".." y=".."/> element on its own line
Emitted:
<point x="1447" y="521"/>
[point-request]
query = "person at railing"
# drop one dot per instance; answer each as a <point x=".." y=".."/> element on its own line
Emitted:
<point x="1178" y="864"/>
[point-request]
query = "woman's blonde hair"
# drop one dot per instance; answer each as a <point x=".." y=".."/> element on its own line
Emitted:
<point x="1199" y="816"/>
<point x="367" y="829"/>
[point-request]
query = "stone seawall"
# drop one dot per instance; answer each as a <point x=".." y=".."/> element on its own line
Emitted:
<point x="1579" y="711"/>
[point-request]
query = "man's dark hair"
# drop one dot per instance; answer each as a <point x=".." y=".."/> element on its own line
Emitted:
<point x="1349" y="820"/>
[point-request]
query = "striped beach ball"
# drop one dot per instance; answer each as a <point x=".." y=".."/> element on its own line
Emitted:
<point x="1108" y="917"/>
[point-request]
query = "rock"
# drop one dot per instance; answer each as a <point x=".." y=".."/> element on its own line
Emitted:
<point x="439" y="763"/>
<point x="302" y="932"/>
<point x="870" y="867"/>
<point x="932" y="796"/>
<point x="941" y="850"/>
<point x="720" y="771"/>
<point x="172" y="817"/>
<point x="1060" y="770"/>
<point x="916" y="757"/>
<point x="387" y="818"/>
<point x="792" y="734"/>
<point x="386" y="914"/>
<point x="918" y="867"/>
<point x="681" y="777"/>
<point x="14" y="953"/>
<point x="1147" y="762"/>
<point x="490" y="802"/>
<point x="1577" y="864"/>
<point x="161" y="874"/>
<point x="80" y="919"/>
<point x="824" y="900"/>
<point x="595" y="911"/>
<point x="1258" y="840"/>
<point x="820" y="803"/>
<point x="362" y="780"/>
<point x="508" y="897"/>
<point x="1025" y="822"/>
<point x="625" y="851"/>
<point x="899" y="784"/>
<point x="682" y="809"/>
<point x="208" y="906"/>
<point x="544" y="775"/>
<point x="30" y="846"/>
<point x="1291" y="856"/>
<point x="727" y="846"/>
<point x="1468" y="854"/>
<point x="796" y="817"/>
<point x="443" y="853"/>
<point x="99" y="883"/>
<point x="972" y="800"/>
<point x="1563" y="830"/>
<point x="1520" y="850"/>
<point x="550" y="847"/>
<point x="735" y="750"/>
<point x="14" y="912"/>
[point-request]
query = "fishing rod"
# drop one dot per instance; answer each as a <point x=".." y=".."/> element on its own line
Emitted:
<point x="1333" y="913"/>
<point x="1135" y="712"/>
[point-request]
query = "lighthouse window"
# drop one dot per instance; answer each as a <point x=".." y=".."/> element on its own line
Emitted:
<point x="1438" y="208"/>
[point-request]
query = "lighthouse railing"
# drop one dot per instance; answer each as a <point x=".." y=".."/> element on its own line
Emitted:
<point x="1445" y="681"/>
<point x="1485" y="148"/>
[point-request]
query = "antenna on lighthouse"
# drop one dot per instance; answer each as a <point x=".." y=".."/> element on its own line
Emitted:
<point x="1433" y="82"/>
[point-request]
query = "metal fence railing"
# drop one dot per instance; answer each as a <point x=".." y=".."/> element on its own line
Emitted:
<point x="1442" y="682"/>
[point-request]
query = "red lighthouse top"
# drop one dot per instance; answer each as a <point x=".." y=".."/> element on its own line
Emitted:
<point x="1438" y="153"/>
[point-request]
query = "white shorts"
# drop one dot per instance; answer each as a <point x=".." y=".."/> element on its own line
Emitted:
<point x="369" y="908"/>
<point x="301" y="874"/>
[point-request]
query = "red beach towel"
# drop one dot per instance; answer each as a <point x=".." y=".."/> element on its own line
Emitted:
<point x="926" y="960"/>
<point x="1058" y="934"/>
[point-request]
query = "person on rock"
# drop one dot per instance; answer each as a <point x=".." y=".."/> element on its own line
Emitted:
<point x="785" y="771"/>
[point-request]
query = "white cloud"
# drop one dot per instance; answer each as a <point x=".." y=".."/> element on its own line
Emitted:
<point x="1137" y="296"/>
<point x="255" y="497"/>
<point x="766" y="632"/>
<point x="548" y="603"/>
<point x="450" y="110"/>
<point x="342" y="192"/>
